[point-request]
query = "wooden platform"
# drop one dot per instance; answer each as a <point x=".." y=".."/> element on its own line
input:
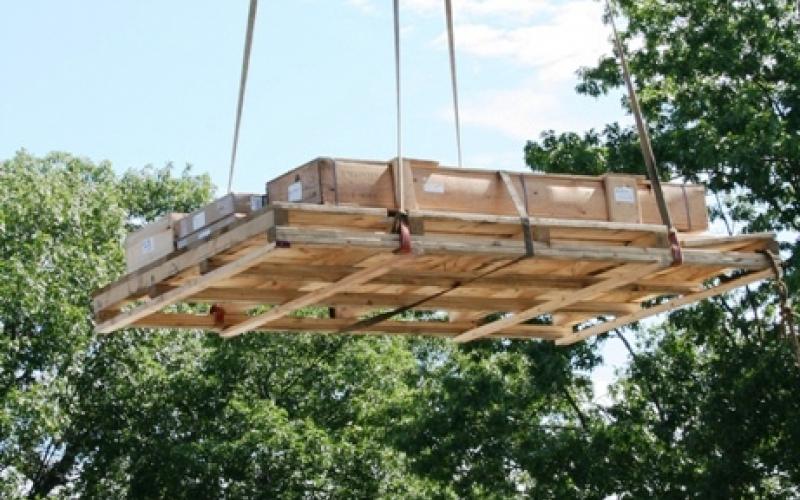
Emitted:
<point x="464" y="267"/>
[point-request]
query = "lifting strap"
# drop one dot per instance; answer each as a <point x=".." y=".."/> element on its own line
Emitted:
<point x="248" y="42"/>
<point x="401" y="198"/>
<point x="451" y="46"/>
<point x="646" y="145"/>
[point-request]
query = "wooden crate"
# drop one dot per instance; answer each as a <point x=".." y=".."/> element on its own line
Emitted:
<point x="463" y="266"/>
<point x="226" y="206"/>
<point x="152" y="242"/>
<point x="429" y="186"/>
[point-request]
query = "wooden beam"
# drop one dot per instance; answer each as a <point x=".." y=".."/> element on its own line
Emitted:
<point x="511" y="248"/>
<point x="429" y="328"/>
<point x="665" y="307"/>
<point x="191" y="287"/>
<point x="621" y="275"/>
<point x="259" y="296"/>
<point x="547" y="222"/>
<point x="303" y="275"/>
<point x="316" y="296"/>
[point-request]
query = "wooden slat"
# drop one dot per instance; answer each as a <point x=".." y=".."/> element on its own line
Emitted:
<point x="511" y="248"/>
<point x="665" y="307"/>
<point x="193" y="286"/>
<point x="259" y="296"/>
<point x="316" y="296"/>
<point x="415" y="277"/>
<point x="428" y="328"/>
<point x="616" y="277"/>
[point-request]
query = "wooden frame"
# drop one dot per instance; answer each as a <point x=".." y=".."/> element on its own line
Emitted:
<point x="290" y="256"/>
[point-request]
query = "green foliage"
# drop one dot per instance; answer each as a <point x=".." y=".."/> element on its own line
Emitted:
<point x="705" y="408"/>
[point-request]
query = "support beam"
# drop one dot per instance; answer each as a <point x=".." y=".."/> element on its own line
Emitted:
<point x="619" y="276"/>
<point x="261" y="296"/>
<point x="301" y="276"/>
<point x="511" y="249"/>
<point x="316" y="296"/>
<point x="428" y="328"/>
<point x="665" y="307"/>
<point x="191" y="287"/>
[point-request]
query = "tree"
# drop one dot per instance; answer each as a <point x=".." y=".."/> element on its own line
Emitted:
<point x="160" y="413"/>
<point x="704" y="408"/>
<point x="62" y="219"/>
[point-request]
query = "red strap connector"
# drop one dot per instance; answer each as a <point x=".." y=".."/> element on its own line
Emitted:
<point x="405" y="235"/>
<point x="675" y="247"/>
<point x="218" y="312"/>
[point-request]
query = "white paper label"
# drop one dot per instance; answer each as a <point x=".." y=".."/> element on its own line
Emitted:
<point x="256" y="203"/>
<point x="203" y="234"/>
<point x="198" y="221"/>
<point x="182" y="243"/>
<point x="624" y="194"/>
<point x="296" y="191"/>
<point x="148" y="245"/>
<point x="433" y="186"/>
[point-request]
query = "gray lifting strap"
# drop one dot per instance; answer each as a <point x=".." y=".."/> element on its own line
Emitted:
<point x="451" y="45"/>
<point x="248" y="42"/>
<point x="647" y="146"/>
<point x="401" y="198"/>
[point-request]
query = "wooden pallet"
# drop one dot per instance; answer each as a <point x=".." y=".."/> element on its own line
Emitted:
<point x="464" y="267"/>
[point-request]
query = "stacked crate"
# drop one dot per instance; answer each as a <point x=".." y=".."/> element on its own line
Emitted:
<point x="177" y="231"/>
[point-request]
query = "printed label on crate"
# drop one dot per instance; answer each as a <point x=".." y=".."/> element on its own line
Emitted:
<point x="148" y="245"/>
<point x="256" y="203"/>
<point x="296" y="191"/>
<point x="433" y="186"/>
<point x="203" y="234"/>
<point x="624" y="194"/>
<point x="198" y="221"/>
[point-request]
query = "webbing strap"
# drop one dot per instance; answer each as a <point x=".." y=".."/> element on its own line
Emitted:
<point x="641" y="126"/>
<point x="248" y="42"/>
<point x="451" y="45"/>
<point x="401" y="199"/>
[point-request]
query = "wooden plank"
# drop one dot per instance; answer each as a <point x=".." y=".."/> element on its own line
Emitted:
<point x="619" y="276"/>
<point x="511" y="248"/>
<point x="193" y="286"/>
<point x="512" y="277"/>
<point x="547" y="222"/>
<point x="428" y="328"/>
<point x="136" y="284"/>
<point x="665" y="307"/>
<point x="391" y="298"/>
<point x="317" y="295"/>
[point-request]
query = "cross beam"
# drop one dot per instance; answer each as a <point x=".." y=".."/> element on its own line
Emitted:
<point x="614" y="278"/>
<point x="665" y="307"/>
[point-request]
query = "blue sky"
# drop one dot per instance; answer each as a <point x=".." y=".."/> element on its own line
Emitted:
<point x="146" y="82"/>
<point x="138" y="82"/>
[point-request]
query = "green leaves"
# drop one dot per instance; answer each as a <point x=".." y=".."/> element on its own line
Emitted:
<point x="699" y="411"/>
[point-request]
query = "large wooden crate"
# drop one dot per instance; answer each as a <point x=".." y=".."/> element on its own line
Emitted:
<point x="151" y="242"/>
<point x="216" y="216"/>
<point x="429" y="186"/>
<point x="176" y="231"/>
<point x="231" y="203"/>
